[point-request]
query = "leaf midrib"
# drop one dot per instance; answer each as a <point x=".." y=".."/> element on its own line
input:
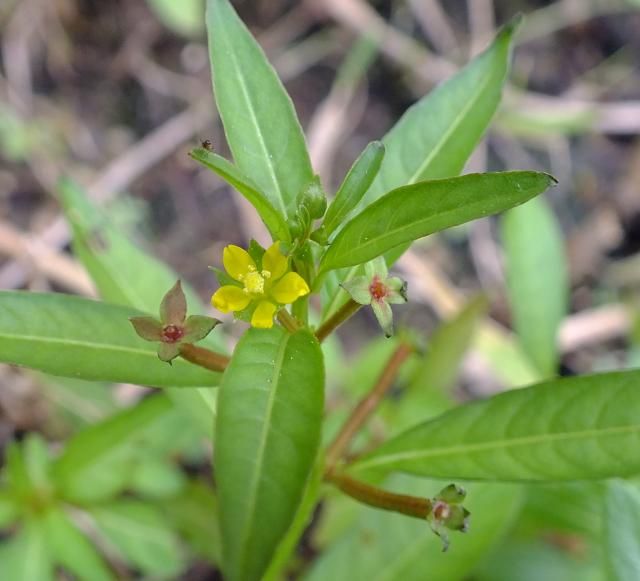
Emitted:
<point x="453" y="127"/>
<point x="498" y="444"/>
<point x="252" y="114"/>
<point x="394" y="231"/>
<point x="75" y="343"/>
<point x="264" y="436"/>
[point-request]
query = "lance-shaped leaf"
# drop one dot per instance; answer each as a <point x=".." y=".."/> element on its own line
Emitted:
<point x="622" y="530"/>
<point x="567" y="429"/>
<point x="354" y="187"/>
<point x="267" y="434"/>
<point x="259" y="120"/>
<point x="75" y="337"/>
<point x="414" y="211"/>
<point x="272" y="219"/>
<point x="142" y="535"/>
<point x="537" y="280"/>
<point x="27" y="555"/>
<point x="435" y="137"/>
<point x="71" y="548"/>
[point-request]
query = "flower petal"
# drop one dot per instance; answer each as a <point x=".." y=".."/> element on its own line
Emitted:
<point x="237" y="262"/>
<point x="168" y="351"/>
<point x="263" y="315"/>
<point x="274" y="261"/>
<point x="358" y="289"/>
<point x="197" y="327"/>
<point x="230" y="298"/>
<point x="383" y="313"/>
<point x="173" y="308"/>
<point x="289" y="288"/>
<point x="376" y="266"/>
<point x="397" y="290"/>
<point x="147" y="328"/>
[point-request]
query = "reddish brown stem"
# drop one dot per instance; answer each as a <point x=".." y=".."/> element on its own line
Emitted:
<point x="378" y="498"/>
<point x="204" y="357"/>
<point x="339" y="317"/>
<point x="367" y="405"/>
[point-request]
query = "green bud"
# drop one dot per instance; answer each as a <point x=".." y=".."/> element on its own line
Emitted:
<point x="313" y="198"/>
<point x="452" y="494"/>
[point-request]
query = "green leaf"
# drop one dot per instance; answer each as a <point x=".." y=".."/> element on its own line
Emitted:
<point x="94" y="445"/>
<point x="71" y="549"/>
<point x="385" y="546"/>
<point x="26" y="555"/>
<point x="435" y="137"/>
<point x="259" y="120"/>
<point x="417" y="210"/>
<point x="539" y="559"/>
<point x="510" y="364"/>
<point x="28" y="468"/>
<point x="303" y="517"/>
<point x="537" y="280"/>
<point x="142" y="535"/>
<point x="76" y="337"/>
<point x="566" y="429"/>
<point x="273" y="220"/>
<point x="157" y="478"/>
<point x="184" y="17"/>
<point x="267" y="434"/>
<point x="353" y="188"/>
<point x="9" y="509"/>
<point x="622" y="530"/>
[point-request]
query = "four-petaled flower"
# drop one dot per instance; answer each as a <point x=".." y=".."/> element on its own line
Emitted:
<point x="378" y="289"/>
<point x="266" y="287"/>
<point x="174" y="328"/>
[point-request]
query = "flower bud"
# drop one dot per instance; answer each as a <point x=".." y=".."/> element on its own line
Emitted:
<point x="314" y="199"/>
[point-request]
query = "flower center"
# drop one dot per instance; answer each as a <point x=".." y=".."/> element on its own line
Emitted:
<point x="378" y="289"/>
<point x="254" y="281"/>
<point x="172" y="333"/>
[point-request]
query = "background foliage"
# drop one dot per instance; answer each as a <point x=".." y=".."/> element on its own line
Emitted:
<point x="570" y="109"/>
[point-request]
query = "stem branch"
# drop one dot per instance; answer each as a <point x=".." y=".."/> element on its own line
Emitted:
<point x="367" y="405"/>
<point x="204" y="357"/>
<point x="378" y="498"/>
<point x="339" y="317"/>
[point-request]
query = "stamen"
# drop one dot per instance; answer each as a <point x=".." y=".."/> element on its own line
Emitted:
<point x="266" y="274"/>
<point x="254" y="283"/>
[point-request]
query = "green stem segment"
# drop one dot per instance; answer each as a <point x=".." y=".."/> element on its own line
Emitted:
<point x="377" y="497"/>
<point x="367" y="405"/>
<point x="288" y="321"/>
<point x="339" y="317"/>
<point x="204" y="357"/>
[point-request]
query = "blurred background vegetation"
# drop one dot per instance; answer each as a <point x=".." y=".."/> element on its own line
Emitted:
<point x="114" y="94"/>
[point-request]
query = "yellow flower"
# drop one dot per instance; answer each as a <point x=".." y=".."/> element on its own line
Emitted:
<point x="267" y="288"/>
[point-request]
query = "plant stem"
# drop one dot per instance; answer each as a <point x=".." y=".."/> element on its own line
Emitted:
<point x="204" y="357"/>
<point x="288" y="321"/>
<point x="300" y="310"/>
<point x="367" y="405"/>
<point x="339" y="317"/>
<point x="379" y="498"/>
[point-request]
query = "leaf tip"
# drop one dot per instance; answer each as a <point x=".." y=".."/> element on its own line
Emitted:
<point x="512" y="26"/>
